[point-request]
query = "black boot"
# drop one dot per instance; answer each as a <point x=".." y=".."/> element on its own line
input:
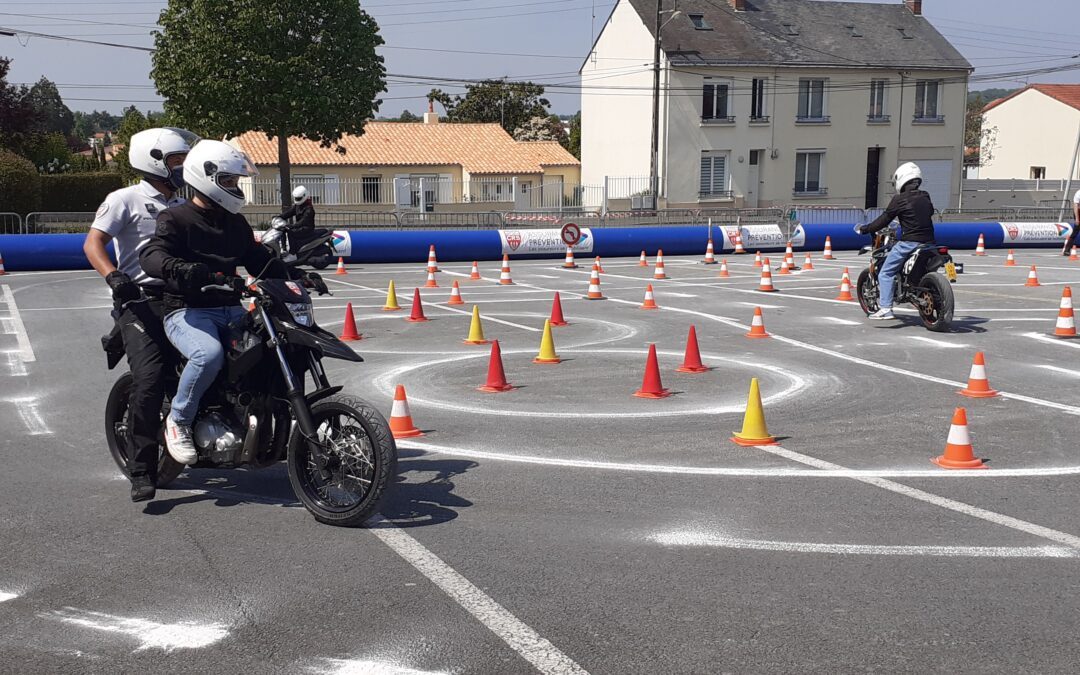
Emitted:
<point x="142" y="489"/>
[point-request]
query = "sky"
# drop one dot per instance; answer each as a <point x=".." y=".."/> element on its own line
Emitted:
<point x="540" y="40"/>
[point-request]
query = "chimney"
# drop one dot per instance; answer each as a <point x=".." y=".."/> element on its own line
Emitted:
<point x="738" y="5"/>
<point x="431" y="117"/>
<point x="915" y="6"/>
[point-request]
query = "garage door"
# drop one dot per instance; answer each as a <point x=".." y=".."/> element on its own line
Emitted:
<point x="937" y="180"/>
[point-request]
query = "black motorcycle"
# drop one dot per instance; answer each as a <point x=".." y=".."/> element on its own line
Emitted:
<point x="340" y="452"/>
<point x="919" y="282"/>
<point x="317" y="251"/>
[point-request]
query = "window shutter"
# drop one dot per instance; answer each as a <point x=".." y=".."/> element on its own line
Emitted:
<point x="722" y="100"/>
<point x="706" y="175"/>
<point x="707" y="102"/>
<point x="804" y="98"/>
<point x="818" y="98"/>
<point x="719" y="174"/>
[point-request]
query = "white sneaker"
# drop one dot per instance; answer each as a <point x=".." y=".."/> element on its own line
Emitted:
<point x="883" y="314"/>
<point x="178" y="442"/>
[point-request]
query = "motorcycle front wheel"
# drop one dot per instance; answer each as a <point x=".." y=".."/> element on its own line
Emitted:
<point x="342" y="473"/>
<point x="937" y="302"/>
<point x="117" y="425"/>
<point x="868" y="292"/>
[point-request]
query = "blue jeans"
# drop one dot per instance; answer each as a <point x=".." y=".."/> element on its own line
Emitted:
<point x="197" y="332"/>
<point x="887" y="274"/>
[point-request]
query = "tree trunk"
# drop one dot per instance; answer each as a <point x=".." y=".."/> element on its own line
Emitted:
<point x="283" y="170"/>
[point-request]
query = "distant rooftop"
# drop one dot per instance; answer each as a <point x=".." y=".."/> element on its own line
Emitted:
<point x="1069" y="94"/>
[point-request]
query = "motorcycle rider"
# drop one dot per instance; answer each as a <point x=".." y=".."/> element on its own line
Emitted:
<point x="197" y="244"/>
<point x="303" y="211"/>
<point x="128" y="218"/>
<point x="913" y="208"/>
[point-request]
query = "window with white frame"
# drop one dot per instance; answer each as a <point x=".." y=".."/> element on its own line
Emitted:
<point x="927" y="103"/>
<point x="878" y="105"/>
<point x="714" y="175"/>
<point x="757" y="100"/>
<point x="810" y="172"/>
<point x="1038" y="173"/>
<point x="716" y="101"/>
<point x="812" y="100"/>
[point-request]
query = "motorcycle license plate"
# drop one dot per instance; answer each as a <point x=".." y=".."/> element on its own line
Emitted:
<point x="950" y="271"/>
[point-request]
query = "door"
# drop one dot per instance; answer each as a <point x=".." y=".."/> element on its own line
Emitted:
<point x="937" y="180"/>
<point x="753" y="181"/>
<point x="873" y="177"/>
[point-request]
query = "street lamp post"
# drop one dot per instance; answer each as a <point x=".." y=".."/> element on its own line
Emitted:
<point x="654" y="148"/>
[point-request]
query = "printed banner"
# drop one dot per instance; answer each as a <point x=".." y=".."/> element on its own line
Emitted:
<point x="1035" y="233"/>
<point x="760" y="237"/>
<point x="342" y="243"/>
<point x="527" y="242"/>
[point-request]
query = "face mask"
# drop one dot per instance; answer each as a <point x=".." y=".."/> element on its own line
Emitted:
<point x="176" y="177"/>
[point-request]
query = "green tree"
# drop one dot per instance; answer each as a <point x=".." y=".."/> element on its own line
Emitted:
<point x="131" y="123"/>
<point x="49" y="152"/>
<point x="511" y="104"/>
<point x="573" y="140"/>
<point x="540" y="129"/>
<point x="82" y="127"/>
<point x="407" y="116"/>
<point x="980" y="138"/>
<point x="279" y="67"/>
<point x="18" y="118"/>
<point x="53" y="115"/>
<point x="20" y="183"/>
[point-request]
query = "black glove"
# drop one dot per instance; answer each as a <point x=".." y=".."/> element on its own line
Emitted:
<point x="192" y="276"/>
<point x="123" y="288"/>
<point x="315" y="280"/>
<point x="861" y="229"/>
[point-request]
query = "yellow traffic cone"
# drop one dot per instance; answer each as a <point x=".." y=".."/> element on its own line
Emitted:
<point x="547" y="347"/>
<point x="476" y="329"/>
<point x="391" y="300"/>
<point x="753" y="429"/>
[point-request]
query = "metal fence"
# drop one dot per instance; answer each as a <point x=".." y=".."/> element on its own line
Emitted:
<point x="1013" y="184"/>
<point x="11" y="223"/>
<point x="57" y="222"/>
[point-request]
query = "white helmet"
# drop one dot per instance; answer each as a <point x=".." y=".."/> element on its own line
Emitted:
<point x="149" y="151"/>
<point x="209" y="164"/>
<point x="299" y="195"/>
<point x="906" y="173"/>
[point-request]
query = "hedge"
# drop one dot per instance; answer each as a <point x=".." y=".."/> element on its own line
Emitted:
<point x="20" y="183"/>
<point x="77" y="191"/>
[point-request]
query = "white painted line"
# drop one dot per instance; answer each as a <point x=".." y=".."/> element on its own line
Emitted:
<point x="691" y="538"/>
<point x="1064" y="371"/>
<point x="761" y="305"/>
<point x="16" y="367"/>
<point x="4" y="596"/>
<point x="27" y="407"/>
<point x="679" y="295"/>
<point x="66" y="309"/>
<point x="366" y="667"/>
<point x="534" y="648"/>
<point x="544" y="276"/>
<point x="26" y="351"/>
<point x="150" y="634"/>
<point x="937" y="343"/>
<point x="489" y="317"/>
<point x="1069" y="540"/>
<point x="1054" y="341"/>
<point x="842" y="322"/>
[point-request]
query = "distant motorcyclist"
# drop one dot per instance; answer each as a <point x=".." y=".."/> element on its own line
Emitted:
<point x="128" y="218"/>
<point x="913" y="208"/>
<point x="302" y="214"/>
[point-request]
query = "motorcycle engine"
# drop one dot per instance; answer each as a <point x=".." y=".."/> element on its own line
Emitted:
<point x="218" y="438"/>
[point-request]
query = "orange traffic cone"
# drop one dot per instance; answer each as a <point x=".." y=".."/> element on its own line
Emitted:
<point x="827" y="255"/>
<point x="692" y="358"/>
<point x="738" y="242"/>
<point x="784" y="268"/>
<point x="401" y="422"/>
<point x="417" y="314"/>
<point x="431" y="283"/>
<point x="1066" y="322"/>
<point x="651" y="386"/>
<point x="504" y="275"/>
<point x="496" y="378"/>
<point x="1010" y="261"/>
<point x="766" y="278"/>
<point x="1073" y="255"/>
<point x="808" y="264"/>
<point x="789" y="256"/>
<point x="757" y="325"/>
<point x="600" y="266"/>
<point x="980" y="248"/>
<point x="757" y="259"/>
<point x="569" y="263"/>
<point x="2" y="270"/>
<point x="1033" y="278"/>
<point x="348" y="330"/>
<point x="340" y="267"/>
<point x="710" y="253"/>
<point x="978" y="385"/>
<point x="723" y="273"/>
<point x="594" y="286"/>
<point x="845" y="287"/>
<point x="432" y="263"/>
<point x="556" y="312"/>
<point x="475" y="273"/>
<point x="659" y="273"/>
<point x="650" y="302"/>
<point x="455" y="295"/>
<point x="958" y="451"/>
<point x="642" y="261"/>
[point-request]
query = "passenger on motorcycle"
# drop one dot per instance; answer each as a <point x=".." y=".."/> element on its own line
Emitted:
<point x="128" y="218"/>
<point x="913" y="208"/>
<point x="303" y="212"/>
<point x="200" y="244"/>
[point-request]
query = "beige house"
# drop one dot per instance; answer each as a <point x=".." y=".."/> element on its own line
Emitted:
<point x="1034" y="133"/>
<point x="775" y="102"/>
<point x="429" y="165"/>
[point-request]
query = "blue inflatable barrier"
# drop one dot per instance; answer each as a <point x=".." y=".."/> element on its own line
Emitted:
<point x="27" y="252"/>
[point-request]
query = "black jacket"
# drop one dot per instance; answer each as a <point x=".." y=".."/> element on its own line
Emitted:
<point x="214" y="237"/>
<point x="304" y="214"/>
<point x="915" y="212"/>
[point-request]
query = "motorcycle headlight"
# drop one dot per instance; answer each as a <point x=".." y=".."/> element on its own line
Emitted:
<point x="302" y="313"/>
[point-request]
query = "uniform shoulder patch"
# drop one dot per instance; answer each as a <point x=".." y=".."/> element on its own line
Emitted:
<point x="102" y="210"/>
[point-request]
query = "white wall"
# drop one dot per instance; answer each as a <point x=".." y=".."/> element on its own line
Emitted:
<point x="1033" y="129"/>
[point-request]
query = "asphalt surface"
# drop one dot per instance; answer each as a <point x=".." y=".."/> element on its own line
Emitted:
<point x="567" y="526"/>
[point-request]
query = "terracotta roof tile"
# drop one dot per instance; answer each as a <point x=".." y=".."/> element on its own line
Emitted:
<point x="1069" y="94"/>
<point x="477" y="148"/>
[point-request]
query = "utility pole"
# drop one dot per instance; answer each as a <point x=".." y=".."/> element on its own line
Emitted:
<point x="654" y="153"/>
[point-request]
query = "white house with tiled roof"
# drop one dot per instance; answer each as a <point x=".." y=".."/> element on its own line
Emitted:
<point x="1033" y="133"/>
<point x="414" y="165"/>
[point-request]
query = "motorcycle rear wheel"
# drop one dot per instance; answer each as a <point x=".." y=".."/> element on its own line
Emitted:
<point x="117" y="422"/>
<point x="342" y="474"/>
<point x="937" y="295"/>
<point x="868" y="292"/>
<point x="320" y="262"/>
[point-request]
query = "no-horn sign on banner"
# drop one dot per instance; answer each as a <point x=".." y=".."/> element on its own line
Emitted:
<point x="549" y="241"/>
<point x="1035" y="233"/>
